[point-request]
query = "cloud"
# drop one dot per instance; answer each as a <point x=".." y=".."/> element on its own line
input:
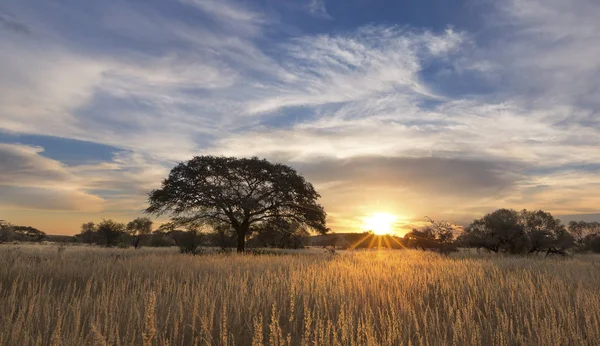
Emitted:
<point x="29" y="180"/>
<point x="9" y="22"/>
<point x="423" y="175"/>
<point x="231" y="14"/>
<point x="318" y="9"/>
<point x="365" y="64"/>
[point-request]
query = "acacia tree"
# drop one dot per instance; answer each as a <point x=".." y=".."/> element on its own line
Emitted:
<point x="109" y="231"/>
<point x="88" y="233"/>
<point x="241" y="193"/>
<point x="138" y="229"/>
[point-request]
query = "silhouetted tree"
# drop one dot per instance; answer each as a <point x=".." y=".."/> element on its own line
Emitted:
<point x="160" y="238"/>
<point x="443" y="233"/>
<point x="88" y="233"/>
<point x="500" y="230"/>
<point x="138" y="229"/>
<point x="241" y="193"/>
<point x="515" y="232"/>
<point x="282" y="234"/>
<point x="586" y="235"/>
<point x="223" y="236"/>
<point x="28" y="233"/>
<point x="109" y="232"/>
<point x="6" y="232"/>
<point x="423" y="239"/>
<point x="544" y="232"/>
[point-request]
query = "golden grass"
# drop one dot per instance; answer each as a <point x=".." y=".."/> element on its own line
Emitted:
<point x="93" y="296"/>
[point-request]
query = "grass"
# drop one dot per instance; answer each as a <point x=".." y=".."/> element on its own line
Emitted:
<point x="94" y="296"/>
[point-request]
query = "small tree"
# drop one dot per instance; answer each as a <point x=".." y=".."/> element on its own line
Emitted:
<point x="138" y="229"/>
<point x="421" y="238"/>
<point x="88" y="233"/>
<point x="443" y="233"/>
<point x="6" y="232"/>
<point x="239" y="193"/>
<point x="109" y="231"/>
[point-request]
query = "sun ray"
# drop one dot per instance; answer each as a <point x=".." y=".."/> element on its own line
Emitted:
<point x="372" y="241"/>
<point x="387" y="241"/>
<point x="360" y="241"/>
<point x="398" y="242"/>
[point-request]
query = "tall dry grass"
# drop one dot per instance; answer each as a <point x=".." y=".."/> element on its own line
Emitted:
<point x="92" y="296"/>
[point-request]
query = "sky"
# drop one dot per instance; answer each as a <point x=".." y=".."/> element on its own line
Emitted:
<point x="447" y="109"/>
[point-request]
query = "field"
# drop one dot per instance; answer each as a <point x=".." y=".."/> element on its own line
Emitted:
<point x="93" y="296"/>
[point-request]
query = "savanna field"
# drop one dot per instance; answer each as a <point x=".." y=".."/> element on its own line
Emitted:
<point x="82" y="295"/>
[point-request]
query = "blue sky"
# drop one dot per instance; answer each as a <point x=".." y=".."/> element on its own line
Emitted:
<point x="441" y="108"/>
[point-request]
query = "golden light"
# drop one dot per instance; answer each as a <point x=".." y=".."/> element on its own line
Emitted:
<point x="379" y="223"/>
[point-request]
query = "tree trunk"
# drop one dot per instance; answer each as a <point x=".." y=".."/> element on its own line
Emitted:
<point x="241" y="239"/>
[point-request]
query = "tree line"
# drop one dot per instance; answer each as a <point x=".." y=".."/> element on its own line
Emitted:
<point x="139" y="232"/>
<point x="512" y="232"/>
<point x="267" y="204"/>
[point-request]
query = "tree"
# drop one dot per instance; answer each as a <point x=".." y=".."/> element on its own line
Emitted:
<point x="586" y="235"/>
<point x="109" y="231"/>
<point x="138" y="229"/>
<point x="88" y="233"/>
<point x="515" y="232"/>
<point x="28" y="233"/>
<point x="281" y="234"/>
<point x="443" y="233"/>
<point x="423" y="238"/>
<point x="240" y="193"/>
<point x="544" y="232"/>
<point x="500" y="230"/>
<point x="6" y="232"/>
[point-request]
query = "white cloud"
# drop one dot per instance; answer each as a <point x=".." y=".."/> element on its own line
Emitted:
<point x="365" y="64"/>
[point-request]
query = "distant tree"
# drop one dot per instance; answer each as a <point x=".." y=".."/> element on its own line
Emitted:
<point x="28" y="233"/>
<point x="189" y="241"/>
<point x="506" y="230"/>
<point x="281" y="234"/>
<point x="223" y="236"/>
<point x="443" y="233"/>
<point x="497" y="231"/>
<point x="160" y="238"/>
<point x="139" y="229"/>
<point x="88" y="233"/>
<point x="423" y="239"/>
<point x="240" y="193"/>
<point x="6" y="232"/>
<point x="109" y="232"/>
<point x="544" y="232"/>
<point x="586" y="235"/>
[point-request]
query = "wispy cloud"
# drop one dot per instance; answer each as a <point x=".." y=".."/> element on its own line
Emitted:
<point x="318" y="8"/>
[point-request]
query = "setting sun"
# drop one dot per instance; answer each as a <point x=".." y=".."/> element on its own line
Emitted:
<point x="379" y="223"/>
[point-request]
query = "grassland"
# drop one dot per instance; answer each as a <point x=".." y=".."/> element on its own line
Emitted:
<point x="94" y="296"/>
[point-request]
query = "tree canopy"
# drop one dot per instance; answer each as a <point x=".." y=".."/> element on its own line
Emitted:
<point x="241" y="193"/>
<point x="511" y="231"/>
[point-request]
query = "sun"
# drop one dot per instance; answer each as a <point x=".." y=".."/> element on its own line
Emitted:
<point x="379" y="223"/>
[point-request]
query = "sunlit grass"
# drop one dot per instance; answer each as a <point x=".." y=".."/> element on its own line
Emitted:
<point x="93" y="296"/>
